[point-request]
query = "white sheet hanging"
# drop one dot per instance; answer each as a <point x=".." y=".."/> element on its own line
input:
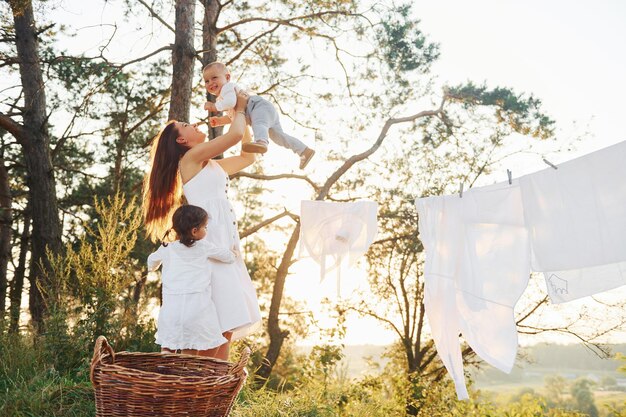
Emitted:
<point x="576" y="216"/>
<point x="331" y="232"/>
<point x="477" y="267"/>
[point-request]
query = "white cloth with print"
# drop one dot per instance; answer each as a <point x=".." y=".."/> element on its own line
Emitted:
<point x="576" y="216"/>
<point x="187" y="318"/>
<point x="476" y="269"/>
<point x="333" y="232"/>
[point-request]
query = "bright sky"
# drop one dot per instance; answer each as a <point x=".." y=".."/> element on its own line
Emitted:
<point x="570" y="54"/>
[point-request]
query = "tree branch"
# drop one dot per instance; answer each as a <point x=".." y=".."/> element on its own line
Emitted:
<point x="364" y="155"/>
<point x="377" y="317"/>
<point x="586" y="342"/>
<point x="164" y="48"/>
<point x="394" y="238"/>
<point x="156" y="16"/>
<point x="249" y="44"/>
<point x="286" y="22"/>
<point x="150" y="115"/>
<point x="13" y="128"/>
<point x="276" y="177"/>
<point x="532" y="310"/>
<point x="266" y="222"/>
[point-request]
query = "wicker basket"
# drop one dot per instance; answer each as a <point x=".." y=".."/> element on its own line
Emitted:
<point x="163" y="384"/>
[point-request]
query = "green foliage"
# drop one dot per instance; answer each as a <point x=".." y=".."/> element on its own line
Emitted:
<point x="583" y="397"/>
<point x="556" y="389"/>
<point x="48" y="374"/>
<point x="612" y="409"/>
<point x="531" y="406"/>
<point x="93" y="287"/>
<point x="521" y="114"/>
<point x="324" y="359"/>
<point x="31" y="386"/>
<point x="336" y="397"/>
<point x="404" y="46"/>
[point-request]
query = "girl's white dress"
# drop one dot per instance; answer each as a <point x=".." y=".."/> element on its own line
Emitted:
<point x="187" y="318"/>
<point x="234" y="295"/>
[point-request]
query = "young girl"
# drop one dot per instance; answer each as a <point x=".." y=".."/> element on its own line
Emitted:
<point x="188" y="320"/>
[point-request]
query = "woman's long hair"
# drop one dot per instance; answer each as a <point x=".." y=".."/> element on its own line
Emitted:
<point x="162" y="187"/>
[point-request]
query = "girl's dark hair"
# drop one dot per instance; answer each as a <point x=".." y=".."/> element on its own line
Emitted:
<point x="185" y="218"/>
<point x="162" y="189"/>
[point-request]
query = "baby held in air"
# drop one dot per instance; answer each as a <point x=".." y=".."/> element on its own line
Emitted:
<point x="260" y="114"/>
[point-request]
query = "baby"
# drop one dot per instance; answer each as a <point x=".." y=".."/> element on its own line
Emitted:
<point x="260" y="113"/>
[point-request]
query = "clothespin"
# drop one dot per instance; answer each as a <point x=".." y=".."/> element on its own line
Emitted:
<point x="461" y="191"/>
<point x="550" y="163"/>
<point x="510" y="175"/>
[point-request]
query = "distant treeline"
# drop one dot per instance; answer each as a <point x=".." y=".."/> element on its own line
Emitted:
<point x="536" y="362"/>
<point x="572" y="357"/>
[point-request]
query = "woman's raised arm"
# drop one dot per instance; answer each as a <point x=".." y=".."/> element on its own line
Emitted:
<point x="207" y="150"/>
<point x="234" y="164"/>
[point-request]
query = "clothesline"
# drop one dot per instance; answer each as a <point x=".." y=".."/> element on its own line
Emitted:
<point x="509" y="174"/>
<point x="568" y="222"/>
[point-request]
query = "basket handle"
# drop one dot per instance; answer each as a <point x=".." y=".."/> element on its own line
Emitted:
<point x="101" y="348"/>
<point x="243" y="361"/>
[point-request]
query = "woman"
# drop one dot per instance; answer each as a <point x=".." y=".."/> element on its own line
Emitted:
<point x="182" y="162"/>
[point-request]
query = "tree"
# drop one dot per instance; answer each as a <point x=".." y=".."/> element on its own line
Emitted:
<point x="581" y="393"/>
<point x="6" y="214"/>
<point x="32" y="135"/>
<point x="556" y="389"/>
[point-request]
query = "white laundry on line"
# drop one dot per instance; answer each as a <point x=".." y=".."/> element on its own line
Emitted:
<point x="331" y="232"/>
<point x="576" y="217"/>
<point x="572" y="220"/>
<point x="476" y="269"/>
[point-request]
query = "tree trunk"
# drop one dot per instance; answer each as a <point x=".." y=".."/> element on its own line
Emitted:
<point x="209" y="46"/>
<point x="6" y="220"/>
<point x="183" y="60"/>
<point x="46" y="233"/>
<point x="120" y="145"/>
<point x="209" y="31"/>
<point x="276" y="334"/>
<point x="17" y="284"/>
<point x="138" y="289"/>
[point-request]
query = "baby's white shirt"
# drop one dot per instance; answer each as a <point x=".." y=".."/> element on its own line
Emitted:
<point x="227" y="99"/>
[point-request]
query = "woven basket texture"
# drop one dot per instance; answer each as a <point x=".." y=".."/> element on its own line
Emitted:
<point x="134" y="384"/>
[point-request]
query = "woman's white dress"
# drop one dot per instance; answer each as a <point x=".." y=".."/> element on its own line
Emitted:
<point x="186" y="320"/>
<point x="234" y="295"/>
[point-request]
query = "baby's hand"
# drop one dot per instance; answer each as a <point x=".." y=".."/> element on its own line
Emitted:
<point x="210" y="107"/>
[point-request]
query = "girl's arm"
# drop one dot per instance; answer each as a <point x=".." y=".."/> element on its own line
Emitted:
<point x="156" y="258"/>
<point x="204" y="151"/>
<point x="234" y="164"/>
<point x="219" y="254"/>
